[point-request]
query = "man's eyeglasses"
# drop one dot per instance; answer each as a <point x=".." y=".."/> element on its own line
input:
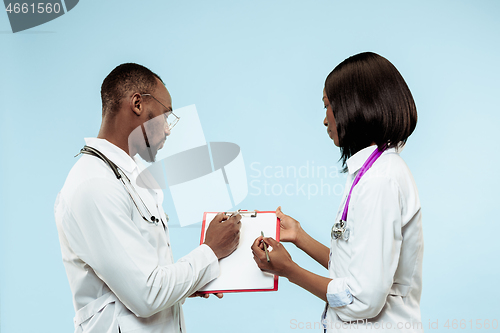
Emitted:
<point x="170" y="121"/>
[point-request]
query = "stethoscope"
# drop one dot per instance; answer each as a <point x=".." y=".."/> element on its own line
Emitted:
<point x="339" y="229"/>
<point x="128" y="185"/>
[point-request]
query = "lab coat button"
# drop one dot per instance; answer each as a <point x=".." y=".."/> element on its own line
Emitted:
<point x="346" y="234"/>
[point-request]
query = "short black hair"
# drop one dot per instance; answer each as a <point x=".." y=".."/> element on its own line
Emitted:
<point x="371" y="103"/>
<point x="124" y="78"/>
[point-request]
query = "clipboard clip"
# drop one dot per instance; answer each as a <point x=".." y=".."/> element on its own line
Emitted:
<point x="250" y="213"/>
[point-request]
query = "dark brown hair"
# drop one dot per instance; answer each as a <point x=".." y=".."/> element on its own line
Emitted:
<point x="371" y="103"/>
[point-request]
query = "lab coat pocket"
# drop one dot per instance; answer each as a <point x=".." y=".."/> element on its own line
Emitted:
<point x="93" y="316"/>
<point x="159" y="322"/>
<point x="398" y="289"/>
<point x="398" y="293"/>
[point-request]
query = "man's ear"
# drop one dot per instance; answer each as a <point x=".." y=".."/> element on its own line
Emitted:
<point x="137" y="104"/>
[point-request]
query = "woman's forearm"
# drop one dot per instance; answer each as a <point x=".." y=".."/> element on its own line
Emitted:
<point x="280" y="263"/>
<point x="315" y="284"/>
<point x="313" y="248"/>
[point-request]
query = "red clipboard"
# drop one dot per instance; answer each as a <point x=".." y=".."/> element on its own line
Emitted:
<point x="234" y="290"/>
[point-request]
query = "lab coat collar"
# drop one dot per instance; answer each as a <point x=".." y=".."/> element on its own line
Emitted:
<point x="356" y="161"/>
<point x="115" y="154"/>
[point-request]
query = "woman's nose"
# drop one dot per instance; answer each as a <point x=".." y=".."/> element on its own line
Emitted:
<point x="325" y="122"/>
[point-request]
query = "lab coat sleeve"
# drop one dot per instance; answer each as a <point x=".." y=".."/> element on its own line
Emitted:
<point x="375" y="242"/>
<point x="101" y="232"/>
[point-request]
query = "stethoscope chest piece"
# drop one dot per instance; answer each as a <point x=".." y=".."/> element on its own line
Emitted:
<point x="339" y="230"/>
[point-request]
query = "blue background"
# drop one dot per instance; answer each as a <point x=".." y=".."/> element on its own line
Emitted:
<point x="255" y="70"/>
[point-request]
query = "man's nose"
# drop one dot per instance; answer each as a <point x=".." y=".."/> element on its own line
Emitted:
<point x="167" y="129"/>
<point x="325" y="122"/>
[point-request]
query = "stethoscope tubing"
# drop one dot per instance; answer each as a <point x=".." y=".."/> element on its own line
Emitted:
<point x="121" y="175"/>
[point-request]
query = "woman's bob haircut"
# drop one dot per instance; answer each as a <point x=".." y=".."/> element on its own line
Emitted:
<point x="371" y="104"/>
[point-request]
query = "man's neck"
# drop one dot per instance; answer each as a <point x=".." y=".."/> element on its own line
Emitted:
<point x="112" y="133"/>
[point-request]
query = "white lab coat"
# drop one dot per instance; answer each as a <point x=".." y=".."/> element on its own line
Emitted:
<point x="377" y="273"/>
<point x="120" y="268"/>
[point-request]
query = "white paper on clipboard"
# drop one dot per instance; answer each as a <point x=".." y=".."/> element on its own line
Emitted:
<point x="239" y="272"/>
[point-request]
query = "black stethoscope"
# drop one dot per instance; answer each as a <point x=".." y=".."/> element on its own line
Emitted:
<point x="121" y="176"/>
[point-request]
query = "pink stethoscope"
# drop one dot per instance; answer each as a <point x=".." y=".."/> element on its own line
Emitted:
<point x="339" y="228"/>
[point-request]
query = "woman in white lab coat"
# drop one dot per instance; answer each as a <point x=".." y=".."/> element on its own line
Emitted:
<point x="375" y="256"/>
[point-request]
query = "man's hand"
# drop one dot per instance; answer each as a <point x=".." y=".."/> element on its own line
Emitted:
<point x="223" y="234"/>
<point x="202" y="295"/>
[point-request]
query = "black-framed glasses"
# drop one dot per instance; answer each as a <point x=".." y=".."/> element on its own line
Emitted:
<point x="170" y="121"/>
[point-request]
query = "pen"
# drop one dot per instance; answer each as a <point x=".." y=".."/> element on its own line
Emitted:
<point x="265" y="247"/>
<point x="235" y="213"/>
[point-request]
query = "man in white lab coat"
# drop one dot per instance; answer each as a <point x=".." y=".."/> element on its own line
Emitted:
<point x="114" y="240"/>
